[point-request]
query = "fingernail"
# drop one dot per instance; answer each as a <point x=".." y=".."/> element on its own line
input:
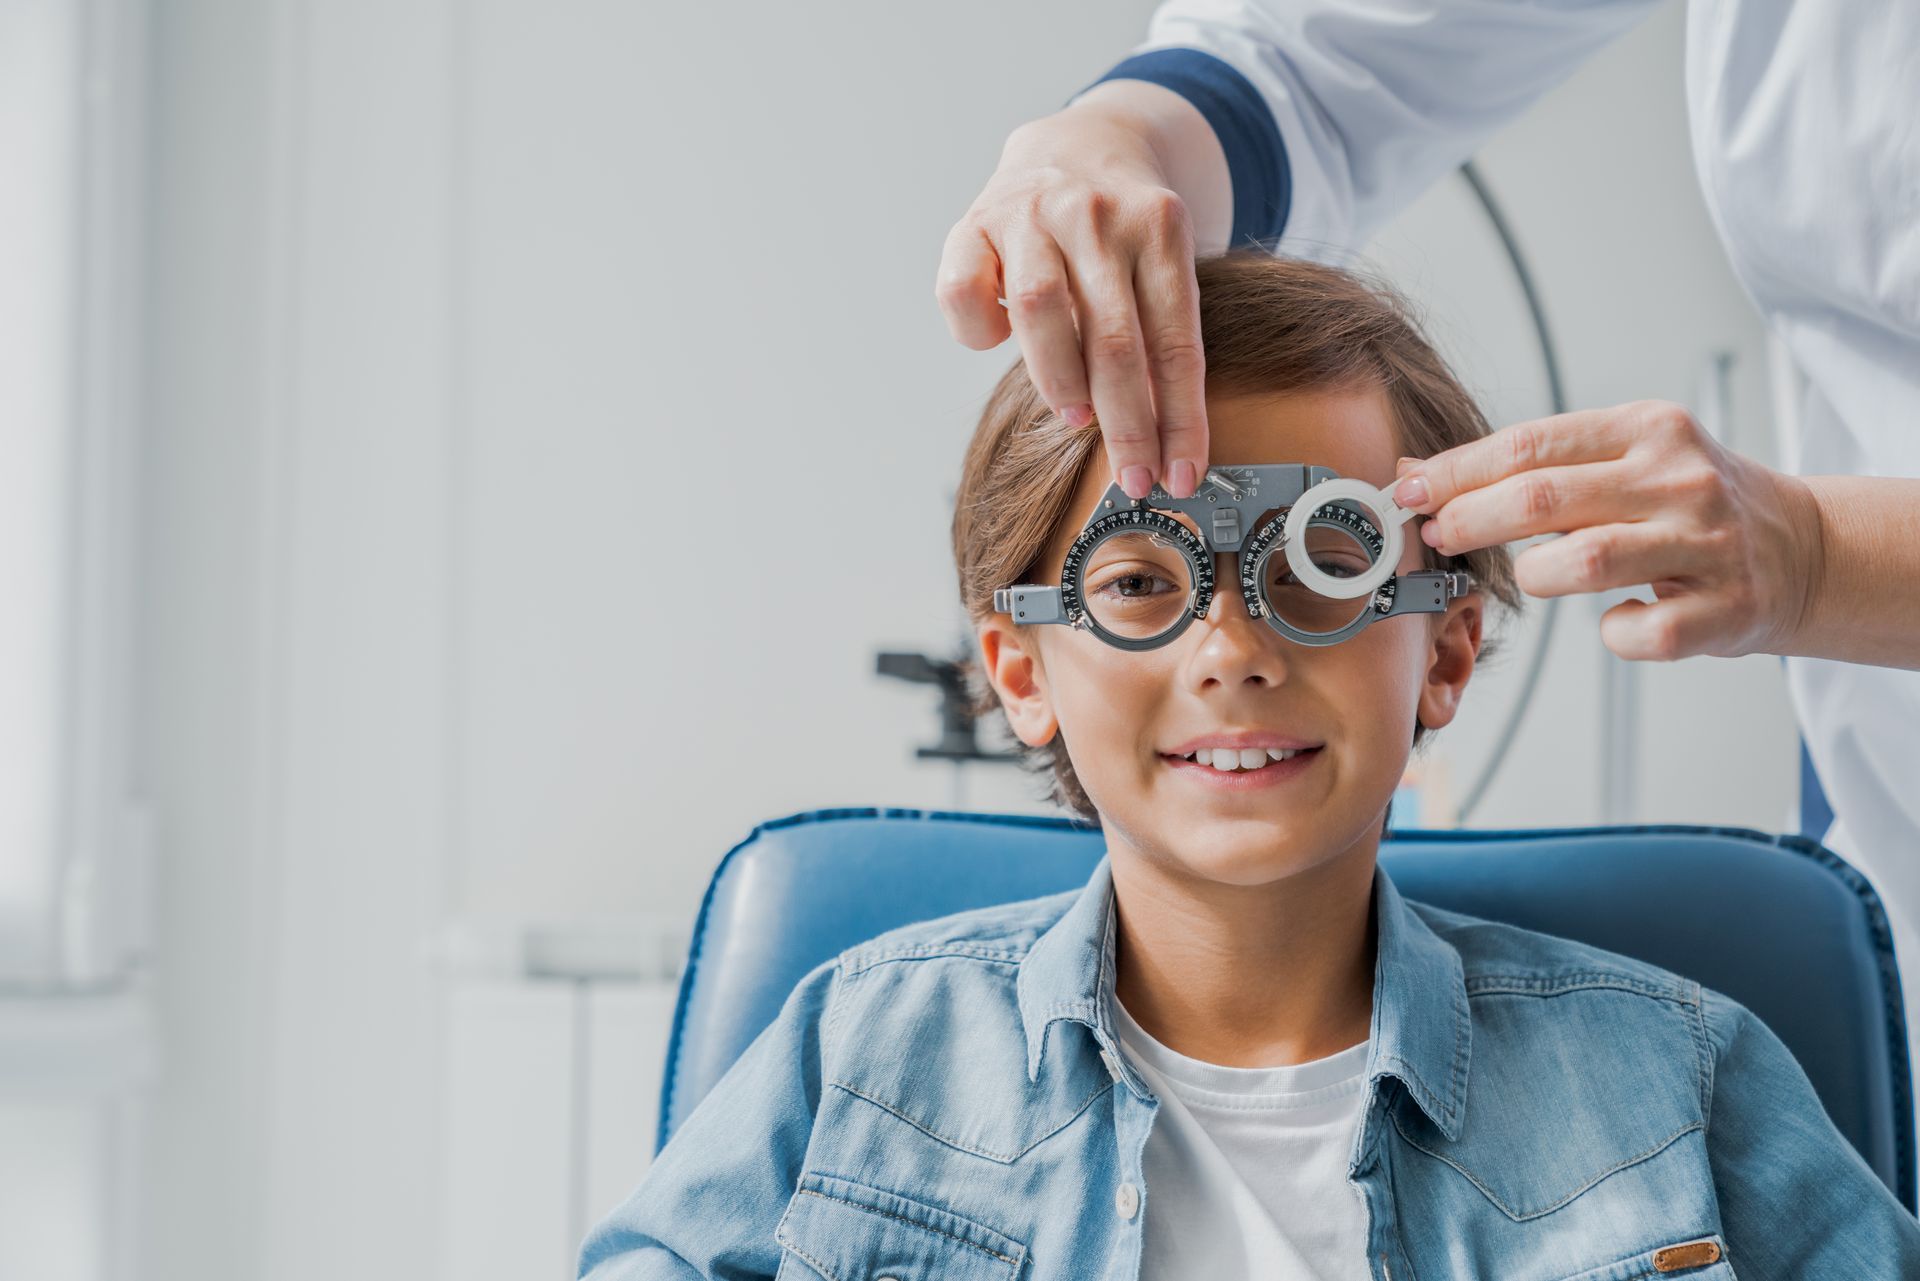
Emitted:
<point x="1403" y="464"/>
<point x="1180" y="479"/>
<point x="1077" y="415"/>
<point x="1136" y="481"/>
<point x="1411" y="492"/>
<point x="1430" y="534"/>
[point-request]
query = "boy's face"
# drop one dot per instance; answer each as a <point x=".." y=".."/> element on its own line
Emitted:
<point x="1353" y="704"/>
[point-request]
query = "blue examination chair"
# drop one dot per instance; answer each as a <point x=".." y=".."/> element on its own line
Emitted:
<point x="1779" y="923"/>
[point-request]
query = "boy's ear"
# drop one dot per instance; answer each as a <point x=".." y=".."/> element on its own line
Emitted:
<point x="1456" y="647"/>
<point x="1014" y="672"/>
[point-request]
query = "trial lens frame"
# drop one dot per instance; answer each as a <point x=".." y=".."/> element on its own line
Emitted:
<point x="1224" y="505"/>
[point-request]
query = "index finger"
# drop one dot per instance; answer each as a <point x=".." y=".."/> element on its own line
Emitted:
<point x="1583" y="436"/>
<point x="1168" y="293"/>
<point x="1117" y="371"/>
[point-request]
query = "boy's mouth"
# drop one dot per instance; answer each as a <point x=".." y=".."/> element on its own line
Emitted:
<point x="1238" y="768"/>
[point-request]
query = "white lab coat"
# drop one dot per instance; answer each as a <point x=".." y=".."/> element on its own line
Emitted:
<point x="1805" y="123"/>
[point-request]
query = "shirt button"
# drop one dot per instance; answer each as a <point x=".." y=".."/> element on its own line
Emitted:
<point x="1126" y="1200"/>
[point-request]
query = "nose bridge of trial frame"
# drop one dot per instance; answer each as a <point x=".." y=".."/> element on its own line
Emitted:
<point x="1230" y="524"/>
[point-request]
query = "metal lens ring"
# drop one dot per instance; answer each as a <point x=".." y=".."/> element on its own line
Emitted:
<point x="1158" y="526"/>
<point x="1253" y="564"/>
<point x="1384" y="542"/>
<point x="1323" y="624"/>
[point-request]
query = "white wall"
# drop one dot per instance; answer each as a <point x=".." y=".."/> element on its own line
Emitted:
<point x="481" y="328"/>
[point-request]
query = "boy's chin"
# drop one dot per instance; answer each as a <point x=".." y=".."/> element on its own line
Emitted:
<point x="1247" y="852"/>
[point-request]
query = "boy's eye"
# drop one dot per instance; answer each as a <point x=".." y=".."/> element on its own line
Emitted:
<point x="1332" y="548"/>
<point x="1136" y="600"/>
<point x="1136" y="584"/>
<point x="1334" y="566"/>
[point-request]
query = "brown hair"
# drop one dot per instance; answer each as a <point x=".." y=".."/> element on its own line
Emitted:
<point x="1267" y="324"/>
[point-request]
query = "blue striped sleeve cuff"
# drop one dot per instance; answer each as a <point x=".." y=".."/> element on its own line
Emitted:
<point x="1256" y="156"/>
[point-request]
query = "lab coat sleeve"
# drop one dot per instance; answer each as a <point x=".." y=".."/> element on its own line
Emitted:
<point x="1796" y="1199"/>
<point x="1334" y="115"/>
<point x="708" y="1205"/>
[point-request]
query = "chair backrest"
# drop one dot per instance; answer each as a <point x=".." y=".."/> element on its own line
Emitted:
<point x="1776" y="922"/>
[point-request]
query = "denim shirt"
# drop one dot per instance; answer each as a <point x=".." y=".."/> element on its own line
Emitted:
<point x="948" y="1101"/>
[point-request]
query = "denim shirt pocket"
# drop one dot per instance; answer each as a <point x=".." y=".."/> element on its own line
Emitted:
<point x="1579" y="1084"/>
<point x="846" y="1231"/>
<point x="1677" y="1260"/>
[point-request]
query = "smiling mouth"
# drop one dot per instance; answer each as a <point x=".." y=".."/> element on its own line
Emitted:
<point x="1229" y="767"/>
<point x="1229" y="759"/>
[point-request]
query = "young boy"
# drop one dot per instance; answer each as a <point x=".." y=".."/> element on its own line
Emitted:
<point x="1237" y="1052"/>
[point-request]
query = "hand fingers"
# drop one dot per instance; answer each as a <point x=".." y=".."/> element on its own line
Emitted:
<point x="1662" y="630"/>
<point x="1070" y="259"/>
<point x="1169" y="302"/>
<point x="1040" y="304"/>
<point x="1546" y="500"/>
<point x="967" y="287"/>
<point x="1116" y="368"/>
<point x="1588" y="435"/>
<point x="1602" y="558"/>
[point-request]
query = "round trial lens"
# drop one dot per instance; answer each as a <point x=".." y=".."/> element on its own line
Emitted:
<point x="1343" y="525"/>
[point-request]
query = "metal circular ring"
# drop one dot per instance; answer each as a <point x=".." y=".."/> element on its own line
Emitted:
<point x="1253" y="561"/>
<point x="1136" y="520"/>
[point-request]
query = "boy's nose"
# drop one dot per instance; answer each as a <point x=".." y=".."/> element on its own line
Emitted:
<point x="1235" y="648"/>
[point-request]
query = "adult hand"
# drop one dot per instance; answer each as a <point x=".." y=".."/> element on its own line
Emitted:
<point x="1080" y="231"/>
<point x="1642" y="494"/>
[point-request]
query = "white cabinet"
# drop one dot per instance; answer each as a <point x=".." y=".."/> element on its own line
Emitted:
<point x="74" y="1072"/>
<point x="552" y="1090"/>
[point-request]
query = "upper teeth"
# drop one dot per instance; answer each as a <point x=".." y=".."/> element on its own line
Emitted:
<point x="1231" y="758"/>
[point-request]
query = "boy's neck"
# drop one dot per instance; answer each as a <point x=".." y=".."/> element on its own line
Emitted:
<point x="1248" y="976"/>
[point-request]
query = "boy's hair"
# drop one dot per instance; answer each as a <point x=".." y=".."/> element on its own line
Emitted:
<point x="1267" y="325"/>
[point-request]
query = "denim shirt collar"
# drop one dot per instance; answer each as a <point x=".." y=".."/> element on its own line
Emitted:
<point x="1421" y="1033"/>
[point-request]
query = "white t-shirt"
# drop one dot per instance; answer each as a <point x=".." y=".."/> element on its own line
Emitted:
<point x="1246" y="1168"/>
